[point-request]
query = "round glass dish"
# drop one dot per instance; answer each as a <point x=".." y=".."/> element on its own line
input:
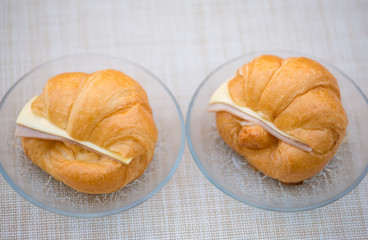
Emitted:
<point x="44" y="191"/>
<point x="229" y="171"/>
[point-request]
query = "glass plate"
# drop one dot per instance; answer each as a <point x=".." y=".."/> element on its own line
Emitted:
<point x="229" y="171"/>
<point x="44" y="191"/>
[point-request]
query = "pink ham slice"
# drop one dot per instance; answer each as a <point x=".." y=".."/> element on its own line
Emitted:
<point x="22" y="131"/>
<point x="218" y="107"/>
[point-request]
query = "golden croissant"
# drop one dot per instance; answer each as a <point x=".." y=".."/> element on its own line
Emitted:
<point x="107" y="108"/>
<point x="299" y="97"/>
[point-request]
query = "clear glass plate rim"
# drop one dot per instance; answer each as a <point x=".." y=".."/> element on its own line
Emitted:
<point x="219" y="186"/>
<point x="115" y="211"/>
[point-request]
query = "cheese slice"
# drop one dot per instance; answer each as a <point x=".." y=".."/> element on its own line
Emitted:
<point x="27" y="118"/>
<point x="222" y="101"/>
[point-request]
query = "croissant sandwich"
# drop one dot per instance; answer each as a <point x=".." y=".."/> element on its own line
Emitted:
<point x="284" y="116"/>
<point x="94" y="132"/>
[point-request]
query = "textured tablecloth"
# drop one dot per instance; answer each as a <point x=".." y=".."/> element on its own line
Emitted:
<point x="181" y="42"/>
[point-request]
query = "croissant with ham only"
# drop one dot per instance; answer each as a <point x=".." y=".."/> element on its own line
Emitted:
<point x="107" y="109"/>
<point x="284" y="116"/>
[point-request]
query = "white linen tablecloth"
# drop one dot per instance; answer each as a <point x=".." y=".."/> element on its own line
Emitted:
<point x="181" y="42"/>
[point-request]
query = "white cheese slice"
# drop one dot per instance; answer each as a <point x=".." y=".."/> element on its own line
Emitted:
<point x="222" y="101"/>
<point x="33" y="121"/>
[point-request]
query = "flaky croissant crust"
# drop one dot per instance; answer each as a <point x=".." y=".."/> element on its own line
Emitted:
<point x="301" y="98"/>
<point x="107" y="108"/>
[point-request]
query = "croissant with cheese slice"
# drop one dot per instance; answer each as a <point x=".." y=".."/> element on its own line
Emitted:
<point x="283" y="115"/>
<point x="94" y="132"/>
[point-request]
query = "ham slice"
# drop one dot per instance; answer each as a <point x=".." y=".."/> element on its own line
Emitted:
<point x="218" y="107"/>
<point x="22" y="131"/>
